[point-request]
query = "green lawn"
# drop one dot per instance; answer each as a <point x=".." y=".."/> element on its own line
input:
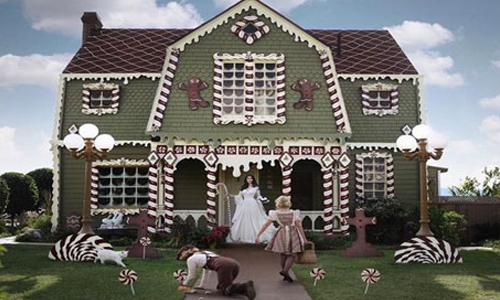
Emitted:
<point x="29" y="274"/>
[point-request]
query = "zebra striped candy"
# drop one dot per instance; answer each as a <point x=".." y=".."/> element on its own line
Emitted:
<point x="317" y="273"/>
<point x="427" y="249"/>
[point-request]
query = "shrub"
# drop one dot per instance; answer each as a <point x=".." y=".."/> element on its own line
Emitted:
<point x="327" y="242"/>
<point x="448" y="225"/>
<point x="393" y="225"/>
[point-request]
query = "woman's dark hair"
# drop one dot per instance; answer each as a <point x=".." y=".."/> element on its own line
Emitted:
<point x="245" y="183"/>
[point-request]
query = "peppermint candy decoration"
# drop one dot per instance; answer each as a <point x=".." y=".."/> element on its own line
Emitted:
<point x="145" y="241"/>
<point x="370" y="276"/>
<point x="317" y="274"/>
<point x="128" y="277"/>
<point x="180" y="275"/>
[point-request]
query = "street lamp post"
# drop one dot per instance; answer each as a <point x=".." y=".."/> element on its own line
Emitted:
<point x="89" y="145"/>
<point x="414" y="147"/>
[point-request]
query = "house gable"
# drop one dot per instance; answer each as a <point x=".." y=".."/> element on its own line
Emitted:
<point x="303" y="55"/>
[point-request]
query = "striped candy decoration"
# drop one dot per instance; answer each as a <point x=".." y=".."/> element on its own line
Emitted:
<point x="78" y="247"/>
<point x="180" y="275"/>
<point x="370" y="276"/>
<point x="317" y="274"/>
<point x="427" y="249"/>
<point x="128" y="277"/>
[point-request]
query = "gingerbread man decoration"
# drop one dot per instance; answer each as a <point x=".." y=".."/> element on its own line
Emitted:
<point x="306" y="89"/>
<point x="193" y="88"/>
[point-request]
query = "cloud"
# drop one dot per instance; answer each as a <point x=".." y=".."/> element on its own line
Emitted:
<point x="60" y="17"/>
<point x="14" y="156"/>
<point x="491" y="127"/>
<point x="461" y="147"/>
<point x="34" y="69"/>
<point x="496" y="63"/>
<point x="493" y="103"/>
<point x="279" y="5"/>
<point x="419" y="41"/>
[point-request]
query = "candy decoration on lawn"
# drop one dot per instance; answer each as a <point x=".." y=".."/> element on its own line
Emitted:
<point x="145" y="241"/>
<point x="78" y="247"/>
<point x="128" y="277"/>
<point x="180" y="275"/>
<point x="427" y="250"/>
<point x="317" y="274"/>
<point x="370" y="276"/>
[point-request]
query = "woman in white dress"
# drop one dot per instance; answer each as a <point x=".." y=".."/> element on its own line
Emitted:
<point x="249" y="215"/>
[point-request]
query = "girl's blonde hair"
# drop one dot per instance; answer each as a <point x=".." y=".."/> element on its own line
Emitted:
<point x="283" y="202"/>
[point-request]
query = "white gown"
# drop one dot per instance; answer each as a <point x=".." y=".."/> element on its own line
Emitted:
<point x="249" y="216"/>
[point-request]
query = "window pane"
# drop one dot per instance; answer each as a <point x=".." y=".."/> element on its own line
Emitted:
<point x="122" y="187"/>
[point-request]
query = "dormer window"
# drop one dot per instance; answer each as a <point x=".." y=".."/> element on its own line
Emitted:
<point x="100" y="98"/>
<point x="380" y="99"/>
<point x="249" y="89"/>
<point x="374" y="175"/>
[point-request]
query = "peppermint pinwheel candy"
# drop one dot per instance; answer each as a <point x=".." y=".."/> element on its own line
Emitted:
<point x="317" y="274"/>
<point x="370" y="275"/>
<point x="145" y="241"/>
<point x="180" y="275"/>
<point x="128" y="276"/>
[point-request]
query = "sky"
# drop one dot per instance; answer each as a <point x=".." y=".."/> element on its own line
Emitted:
<point x="454" y="44"/>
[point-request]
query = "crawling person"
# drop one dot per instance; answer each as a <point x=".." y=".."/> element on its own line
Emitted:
<point x="227" y="270"/>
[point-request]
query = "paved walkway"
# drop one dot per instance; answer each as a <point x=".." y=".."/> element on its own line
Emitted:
<point x="262" y="267"/>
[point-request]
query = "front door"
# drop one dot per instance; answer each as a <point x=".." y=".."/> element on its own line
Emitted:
<point x="225" y="202"/>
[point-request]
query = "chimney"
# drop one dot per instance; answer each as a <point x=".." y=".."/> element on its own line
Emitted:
<point x="91" y="25"/>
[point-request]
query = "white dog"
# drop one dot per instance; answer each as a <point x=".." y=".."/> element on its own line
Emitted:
<point x="104" y="255"/>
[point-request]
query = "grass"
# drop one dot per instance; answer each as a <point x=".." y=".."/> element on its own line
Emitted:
<point x="29" y="274"/>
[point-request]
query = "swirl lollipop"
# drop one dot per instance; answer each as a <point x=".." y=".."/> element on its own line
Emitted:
<point x="128" y="277"/>
<point x="370" y="276"/>
<point x="144" y="241"/>
<point x="180" y="275"/>
<point x="317" y="274"/>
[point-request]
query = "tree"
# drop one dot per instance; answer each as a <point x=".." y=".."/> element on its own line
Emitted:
<point x="491" y="183"/>
<point x="23" y="194"/>
<point x="44" y="179"/>
<point x="4" y="195"/>
<point x="471" y="186"/>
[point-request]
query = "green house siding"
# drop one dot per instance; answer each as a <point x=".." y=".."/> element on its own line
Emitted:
<point x="136" y="98"/>
<point x="73" y="179"/>
<point x="375" y="129"/>
<point x="197" y="61"/>
<point x="406" y="181"/>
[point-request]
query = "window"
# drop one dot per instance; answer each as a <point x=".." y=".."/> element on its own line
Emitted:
<point x="122" y="187"/>
<point x="249" y="89"/>
<point x="380" y="99"/>
<point x="374" y="175"/>
<point x="100" y="98"/>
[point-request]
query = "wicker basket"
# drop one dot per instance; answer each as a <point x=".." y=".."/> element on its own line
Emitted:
<point x="308" y="256"/>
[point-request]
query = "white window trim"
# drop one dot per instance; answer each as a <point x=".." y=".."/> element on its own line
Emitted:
<point x="360" y="175"/>
<point x="379" y="86"/>
<point x="249" y="118"/>
<point x="262" y="29"/>
<point x="115" y="92"/>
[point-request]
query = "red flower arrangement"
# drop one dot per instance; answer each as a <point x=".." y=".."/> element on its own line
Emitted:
<point x="216" y="237"/>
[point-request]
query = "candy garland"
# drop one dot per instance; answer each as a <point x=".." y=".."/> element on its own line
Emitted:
<point x="144" y="241"/>
<point x="180" y="275"/>
<point x="226" y="198"/>
<point x="128" y="277"/>
<point x="317" y="274"/>
<point x="370" y="276"/>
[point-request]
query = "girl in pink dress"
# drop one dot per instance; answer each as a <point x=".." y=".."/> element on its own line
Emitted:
<point x="289" y="238"/>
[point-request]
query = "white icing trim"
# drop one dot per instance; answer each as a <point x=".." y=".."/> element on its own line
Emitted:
<point x="373" y="146"/>
<point x="399" y="78"/>
<point x="378" y="87"/>
<point x="110" y="76"/>
<point x="262" y="10"/>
